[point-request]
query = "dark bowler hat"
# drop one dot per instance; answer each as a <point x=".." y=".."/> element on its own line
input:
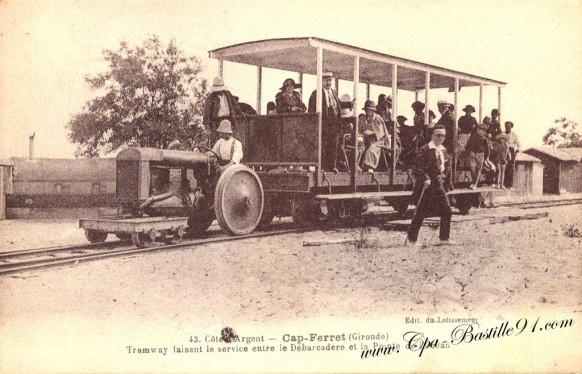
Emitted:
<point x="289" y="82"/>
<point x="369" y="105"/>
<point x="418" y="105"/>
<point x="469" y="109"/>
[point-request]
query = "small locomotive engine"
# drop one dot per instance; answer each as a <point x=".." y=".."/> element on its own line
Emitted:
<point x="174" y="183"/>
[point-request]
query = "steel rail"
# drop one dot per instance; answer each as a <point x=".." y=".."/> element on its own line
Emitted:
<point x="37" y="264"/>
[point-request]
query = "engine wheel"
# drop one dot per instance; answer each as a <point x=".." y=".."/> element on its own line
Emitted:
<point x="95" y="236"/>
<point x="238" y="200"/>
<point x="141" y="239"/>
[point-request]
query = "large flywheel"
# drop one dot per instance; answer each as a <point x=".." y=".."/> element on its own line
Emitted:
<point x="238" y="200"/>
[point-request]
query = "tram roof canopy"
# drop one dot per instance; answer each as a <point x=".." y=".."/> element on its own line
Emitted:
<point x="300" y="55"/>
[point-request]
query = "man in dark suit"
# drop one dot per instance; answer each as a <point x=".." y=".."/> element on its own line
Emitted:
<point x="219" y="105"/>
<point x="330" y="119"/>
<point x="432" y="171"/>
<point x="448" y="122"/>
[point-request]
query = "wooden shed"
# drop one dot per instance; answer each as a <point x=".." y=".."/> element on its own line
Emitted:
<point x="562" y="168"/>
<point x="528" y="178"/>
<point x="6" y="168"/>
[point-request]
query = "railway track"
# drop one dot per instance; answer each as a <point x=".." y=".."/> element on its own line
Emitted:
<point x="42" y="258"/>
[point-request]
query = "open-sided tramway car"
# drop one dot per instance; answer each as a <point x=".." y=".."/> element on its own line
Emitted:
<point x="285" y="149"/>
<point x="282" y="173"/>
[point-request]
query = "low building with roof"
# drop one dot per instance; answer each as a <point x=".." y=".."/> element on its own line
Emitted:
<point x="528" y="178"/>
<point x="562" y="168"/>
<point x="6" y="167"/>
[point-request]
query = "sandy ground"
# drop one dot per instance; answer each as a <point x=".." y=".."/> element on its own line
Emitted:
<point x="494" y="268"/>
<point x="493" y="265"/>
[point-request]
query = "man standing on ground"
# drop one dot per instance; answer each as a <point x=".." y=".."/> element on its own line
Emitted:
<point x="433" y="174"/>
<point x="514" y="148"/>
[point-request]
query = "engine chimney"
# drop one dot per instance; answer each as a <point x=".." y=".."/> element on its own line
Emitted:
<point x="31" y="146"/>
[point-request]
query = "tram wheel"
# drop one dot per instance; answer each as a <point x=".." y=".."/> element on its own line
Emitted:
<point x="123" y="235"/>
<point x="304" y="211"/>
<point x="238" y="200"/>
<point x="95" y="236"/>
<point x="199" y="223"/>
<point x="400" y="205"/>
<point x="141" y="239"/>
<point x="267" y="215"/>
<point x="464" y="203"/>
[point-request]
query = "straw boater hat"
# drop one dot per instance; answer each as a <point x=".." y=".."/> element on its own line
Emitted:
<point x="175" y="144"/>
<point x="346" y="104"/>
<point x="289" y="82"/>
<point x="225" y="127"/>
<point x="443" y="103"/>
<point x="418" y="104"/>
<point x="469" y="109"/>
<point x="346" y="98"/>
<point x="218" y="85"/>
<point x="369" y="105"/>
<point x="347" y="113"/>
<point x="327" y="74"/>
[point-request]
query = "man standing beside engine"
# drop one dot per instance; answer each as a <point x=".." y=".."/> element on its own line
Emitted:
<point x="433" y="174"/>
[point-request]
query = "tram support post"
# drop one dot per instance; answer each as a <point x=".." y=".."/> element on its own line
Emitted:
<point x="319" y="104"/>
<point x="259" y="88"/>
<point x="456" y="131"/>
<point x="301" y="83"/>
<point x="426" y="97"/>
<point x="394" y="115"/>
<point x="499" y="102"/>
<point x="355" y="114"/>
<point x="480" y="103"/>
<point x="221" y="68"/>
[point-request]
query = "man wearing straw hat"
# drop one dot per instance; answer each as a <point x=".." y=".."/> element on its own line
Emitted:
<point x="227" y="147"/>
<point x="432" y="171"/>
<point x="219" y="105"/>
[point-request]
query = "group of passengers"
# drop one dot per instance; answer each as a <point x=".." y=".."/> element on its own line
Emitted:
<point x="481" y="147"/>
<point x="486" y="148"/>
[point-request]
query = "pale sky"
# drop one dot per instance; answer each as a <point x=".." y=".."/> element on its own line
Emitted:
<point x="47" y="47"/>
